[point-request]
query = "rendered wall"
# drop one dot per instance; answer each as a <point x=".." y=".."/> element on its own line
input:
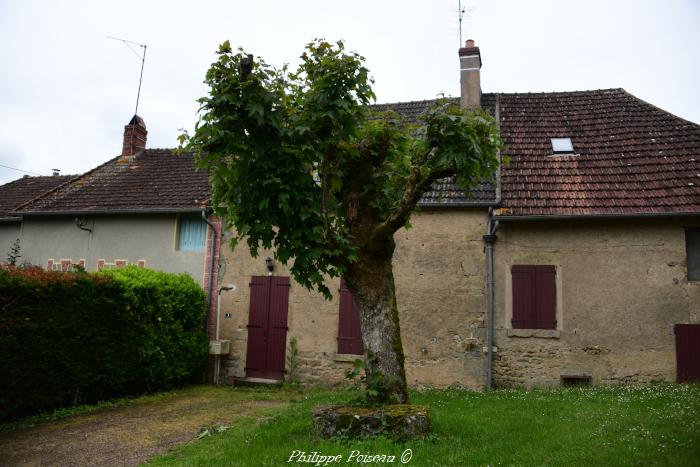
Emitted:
<point x="133" y="238"/>
<point x="439" y="269"/>
<point x="9" y="232"/>
<point x="621" y="286"/>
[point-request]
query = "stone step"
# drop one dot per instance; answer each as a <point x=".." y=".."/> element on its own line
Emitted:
<point x="255" y="381"/>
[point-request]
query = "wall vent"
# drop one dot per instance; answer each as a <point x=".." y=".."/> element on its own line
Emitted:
<point x="575" y="380"/>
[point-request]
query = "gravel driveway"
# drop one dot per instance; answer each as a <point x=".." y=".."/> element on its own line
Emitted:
<point x="131" y="434"/>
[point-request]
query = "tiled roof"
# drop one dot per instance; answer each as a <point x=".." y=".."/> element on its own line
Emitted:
<point x="630" y="157"/>
<point x="151" y="180"/>
<point x="25" y="189"/>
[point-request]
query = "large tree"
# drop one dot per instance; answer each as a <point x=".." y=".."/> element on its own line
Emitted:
<point x="301" y="164"/>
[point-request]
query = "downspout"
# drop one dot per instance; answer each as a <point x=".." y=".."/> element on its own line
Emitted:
<point x="210" y="285"/>
<point x="490" y="239"/>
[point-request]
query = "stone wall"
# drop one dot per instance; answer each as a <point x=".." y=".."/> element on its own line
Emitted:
<point x="440" y="271"/>
<point x="621" y="286"/>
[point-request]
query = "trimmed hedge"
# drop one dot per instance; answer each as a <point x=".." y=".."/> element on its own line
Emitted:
<point x="70" y="338"/>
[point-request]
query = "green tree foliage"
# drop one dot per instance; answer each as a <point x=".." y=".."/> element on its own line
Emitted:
<point x="71" y="337"/>
<point x="295" y="157"/>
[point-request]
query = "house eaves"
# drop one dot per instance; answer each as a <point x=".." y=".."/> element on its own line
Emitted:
<point x="102" y="212"/>
<point x="641" y="215"/>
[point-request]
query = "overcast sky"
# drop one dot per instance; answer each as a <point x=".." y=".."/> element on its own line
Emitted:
<point x="66" y="91"/>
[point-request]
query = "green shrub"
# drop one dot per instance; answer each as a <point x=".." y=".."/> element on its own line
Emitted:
<point x="72" y="337"/>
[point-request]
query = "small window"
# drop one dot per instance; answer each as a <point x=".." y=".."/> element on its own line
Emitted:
<point x="562" y="146"/>
<point x="692" y="252"/>
<point x="191" y="232"/>
<point x="349" y="329"/>
<point x="534" y="297"/>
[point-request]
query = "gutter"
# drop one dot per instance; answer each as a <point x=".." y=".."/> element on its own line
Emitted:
<point x="210" y="285"/>
<point x="490" y="239"/>
<point x="459" y="204"/>
<point x="642" y="215"/>
<point x="107" y="211"/>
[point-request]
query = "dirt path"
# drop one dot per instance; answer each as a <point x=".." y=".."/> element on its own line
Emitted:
<point x="128" y="435"/>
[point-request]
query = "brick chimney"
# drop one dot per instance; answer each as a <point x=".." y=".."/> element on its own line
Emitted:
<point x="470" y="69"/>
<point x="134" y="137"/>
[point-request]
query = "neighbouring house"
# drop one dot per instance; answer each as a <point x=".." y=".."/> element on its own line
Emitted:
<point x="146" y="207"/>
<point x="16" y="193"/>
<point x="580" y="265"/>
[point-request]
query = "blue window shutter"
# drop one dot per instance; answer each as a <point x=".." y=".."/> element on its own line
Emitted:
<point x="192" y="233"/>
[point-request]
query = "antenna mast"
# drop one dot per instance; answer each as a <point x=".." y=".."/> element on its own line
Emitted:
<point x="462" y="12"/>
<point x="461" y="15"/>
<point x="143" y="62"/>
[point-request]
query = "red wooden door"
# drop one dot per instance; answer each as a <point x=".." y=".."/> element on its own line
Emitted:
<point x="687" y="353"/>
<point x="267" y="327"/>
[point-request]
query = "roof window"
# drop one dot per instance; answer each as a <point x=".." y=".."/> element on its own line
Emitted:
<point x="562" y="146"/>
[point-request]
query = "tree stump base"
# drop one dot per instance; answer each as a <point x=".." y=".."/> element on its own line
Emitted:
<point x="400" y="421"/>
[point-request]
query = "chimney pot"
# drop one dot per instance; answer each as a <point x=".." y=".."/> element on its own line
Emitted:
<point x="469" y="44"/>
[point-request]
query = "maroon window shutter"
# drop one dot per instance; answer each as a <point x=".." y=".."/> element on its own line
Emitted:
<point x="534" y="297"/>
<point x="277" y="344"/>
<point x="523" y="279"/>
<point x="687" y="351"/>
<point x="256" y="355"/>
<point x="546" y="297"/>
<point x="349" y="330"/>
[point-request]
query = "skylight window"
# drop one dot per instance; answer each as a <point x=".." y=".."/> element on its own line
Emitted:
<point x="562" y="146"/>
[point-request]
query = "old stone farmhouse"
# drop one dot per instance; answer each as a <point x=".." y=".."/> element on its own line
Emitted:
<point x="581" y="264"/>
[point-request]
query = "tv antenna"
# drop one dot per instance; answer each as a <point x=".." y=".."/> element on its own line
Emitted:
<point x="461" y="15"/>
<point x="463" y="11"/>
<point x="141" y="57"/>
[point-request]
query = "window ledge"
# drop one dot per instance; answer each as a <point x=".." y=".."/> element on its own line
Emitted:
<point x="346" y="357"/>
<point x="542" y="333"/>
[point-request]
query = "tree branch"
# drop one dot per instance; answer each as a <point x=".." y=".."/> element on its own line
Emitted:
<point x="415" y="188"/>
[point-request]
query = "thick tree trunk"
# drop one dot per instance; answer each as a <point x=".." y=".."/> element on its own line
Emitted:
<point x="371" y="280"/>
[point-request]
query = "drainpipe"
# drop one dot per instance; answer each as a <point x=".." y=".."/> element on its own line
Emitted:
<point x="490" y="239"/>
<point x="210" y="285"/>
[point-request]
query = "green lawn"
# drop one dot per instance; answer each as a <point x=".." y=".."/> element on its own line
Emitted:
<point x="626" y="425"/>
